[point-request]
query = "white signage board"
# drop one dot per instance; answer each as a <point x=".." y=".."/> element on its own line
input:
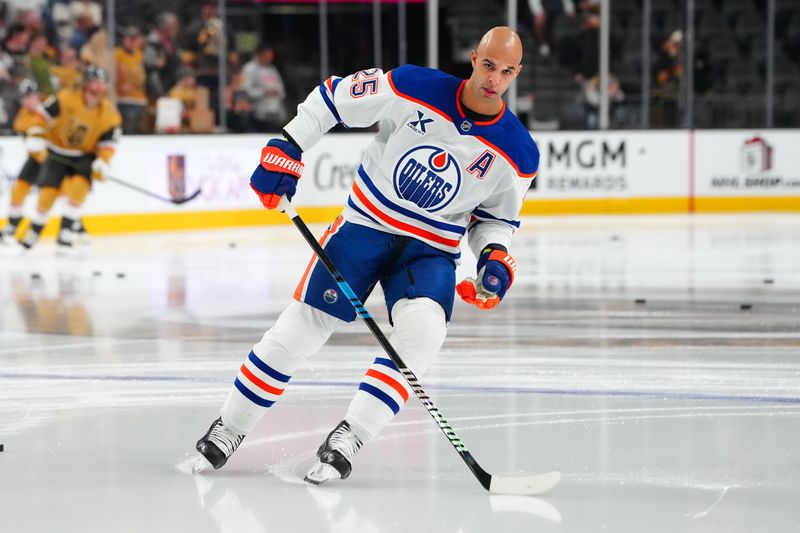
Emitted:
<point x="747" y="163"/>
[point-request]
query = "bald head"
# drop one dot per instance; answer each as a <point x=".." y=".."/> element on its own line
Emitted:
<point x="496" y="63"/>
<point x="501" y="42"/>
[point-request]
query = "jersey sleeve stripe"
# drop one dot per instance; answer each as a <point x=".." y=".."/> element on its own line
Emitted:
<point x="407" y="212"/>
<point x="329" y="103"/>
<point x="479" y="213"/>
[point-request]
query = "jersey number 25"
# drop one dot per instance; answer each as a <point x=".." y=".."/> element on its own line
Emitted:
<point x="364" y="82"/>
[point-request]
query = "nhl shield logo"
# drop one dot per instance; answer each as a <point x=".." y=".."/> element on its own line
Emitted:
<point x="330" y="296"/>
<point x="466" y="125"/>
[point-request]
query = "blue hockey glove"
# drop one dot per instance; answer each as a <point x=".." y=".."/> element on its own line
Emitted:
<point x="281" y="166"/>
<point x="496" y="270"/>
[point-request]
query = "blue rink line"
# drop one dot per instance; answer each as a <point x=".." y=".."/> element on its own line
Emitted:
<point x="453" y="388"/>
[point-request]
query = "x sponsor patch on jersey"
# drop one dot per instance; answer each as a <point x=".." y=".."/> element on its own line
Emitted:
<point x="419" y="126"/>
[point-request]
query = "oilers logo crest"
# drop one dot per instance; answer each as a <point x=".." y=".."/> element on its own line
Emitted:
<point x="427" y="176"/>
<point x="330" y="296"/>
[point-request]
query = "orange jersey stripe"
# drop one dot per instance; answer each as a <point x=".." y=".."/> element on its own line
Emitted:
<point x="298" y="292"/>
<point x="402" y="225"/>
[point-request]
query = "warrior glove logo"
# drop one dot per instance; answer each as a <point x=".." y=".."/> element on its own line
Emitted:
<point x="427" y="176"/>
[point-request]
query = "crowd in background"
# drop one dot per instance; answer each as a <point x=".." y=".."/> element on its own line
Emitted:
<point x="168" y="65"/>
<point x="52" y="41"/>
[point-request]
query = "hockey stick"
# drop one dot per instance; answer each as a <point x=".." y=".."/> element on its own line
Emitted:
<point x="528" y="485"/>
<point x="176" y="201"/>
<point x="146" y="192"/>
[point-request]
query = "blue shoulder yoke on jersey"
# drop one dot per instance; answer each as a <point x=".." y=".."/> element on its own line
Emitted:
<point x="439" y="91"/>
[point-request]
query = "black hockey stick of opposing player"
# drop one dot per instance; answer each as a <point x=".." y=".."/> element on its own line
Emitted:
<point x="528" y="485"/>
<point x="146" y="192"/>
<point x="176" y="201"/>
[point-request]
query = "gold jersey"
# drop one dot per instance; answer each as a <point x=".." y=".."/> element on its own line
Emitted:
<point x="29" y="122"/>
<point x="130" y="76"/>
<point x="75" y="130"/>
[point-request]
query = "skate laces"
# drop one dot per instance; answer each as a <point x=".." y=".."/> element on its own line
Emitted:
<point x="224" y="439"/>
<point x="345" y="441"/>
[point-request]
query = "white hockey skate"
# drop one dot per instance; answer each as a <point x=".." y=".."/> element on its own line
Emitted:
<point x="216" y="447"/>
<point x="335" y="456"/>
<point x="81" y="236"/>
<point x="7" y="234"/>
<point x="65" y="238"/>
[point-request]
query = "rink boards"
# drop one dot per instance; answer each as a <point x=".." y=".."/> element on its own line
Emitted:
<point x="615" y="172"/>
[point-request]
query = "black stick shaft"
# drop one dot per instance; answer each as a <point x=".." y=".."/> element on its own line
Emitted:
<point x="483" y="477"/>
<point x="142" y="190"/>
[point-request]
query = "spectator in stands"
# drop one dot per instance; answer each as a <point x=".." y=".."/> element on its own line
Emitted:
<point x="130" y="79"/>
<point x="3" y="20"/>
<point x="12" y="69"/>
<point x="83" y="26"/>
<point x="39" y="63"/>
<point x="591" y="99"/>
<point x="668" y="66"/>
<point x="161" y="55"/>
<point x="668" y="70"/>
<point x="185" y="90"/>
<point x="86" y="8"/>
<point x="580" y="52"/>
<point x="68" y="70"/>
<point x="586" y="7"/>
<point x="32" y="21"/>
<point x="263" y="84"/>
<point x="203" y="44"/>
<point x="240" y="110"/>
<point x="544" y="12"/>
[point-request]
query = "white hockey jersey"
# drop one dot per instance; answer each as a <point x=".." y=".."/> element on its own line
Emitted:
<point x="431" y="172"/>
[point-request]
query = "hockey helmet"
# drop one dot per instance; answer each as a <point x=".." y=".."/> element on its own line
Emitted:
<point x="28" y="87"/>
<point x="94" y="72"/>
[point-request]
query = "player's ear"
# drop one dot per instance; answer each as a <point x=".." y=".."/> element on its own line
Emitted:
<point x="474" y="58"/>
<point x="519" y="69"/>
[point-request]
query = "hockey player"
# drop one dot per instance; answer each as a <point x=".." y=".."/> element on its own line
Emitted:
<point x="449" y="160"/>
<point x="83" y="131"/>
<point x="31" y="123"/>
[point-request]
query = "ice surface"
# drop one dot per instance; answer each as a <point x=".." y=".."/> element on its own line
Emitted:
<point x="679" y="414"/>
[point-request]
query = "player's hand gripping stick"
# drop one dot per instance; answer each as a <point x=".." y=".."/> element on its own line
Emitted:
<point x="277" y="174"/>
<point x="496" y="270"/>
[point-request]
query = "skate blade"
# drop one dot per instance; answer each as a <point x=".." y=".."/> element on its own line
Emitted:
<point x="321" y="473"/>
<point x="194" y="465"/>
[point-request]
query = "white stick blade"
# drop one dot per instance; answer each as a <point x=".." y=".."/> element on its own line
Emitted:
<point x="524" y="486"/>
